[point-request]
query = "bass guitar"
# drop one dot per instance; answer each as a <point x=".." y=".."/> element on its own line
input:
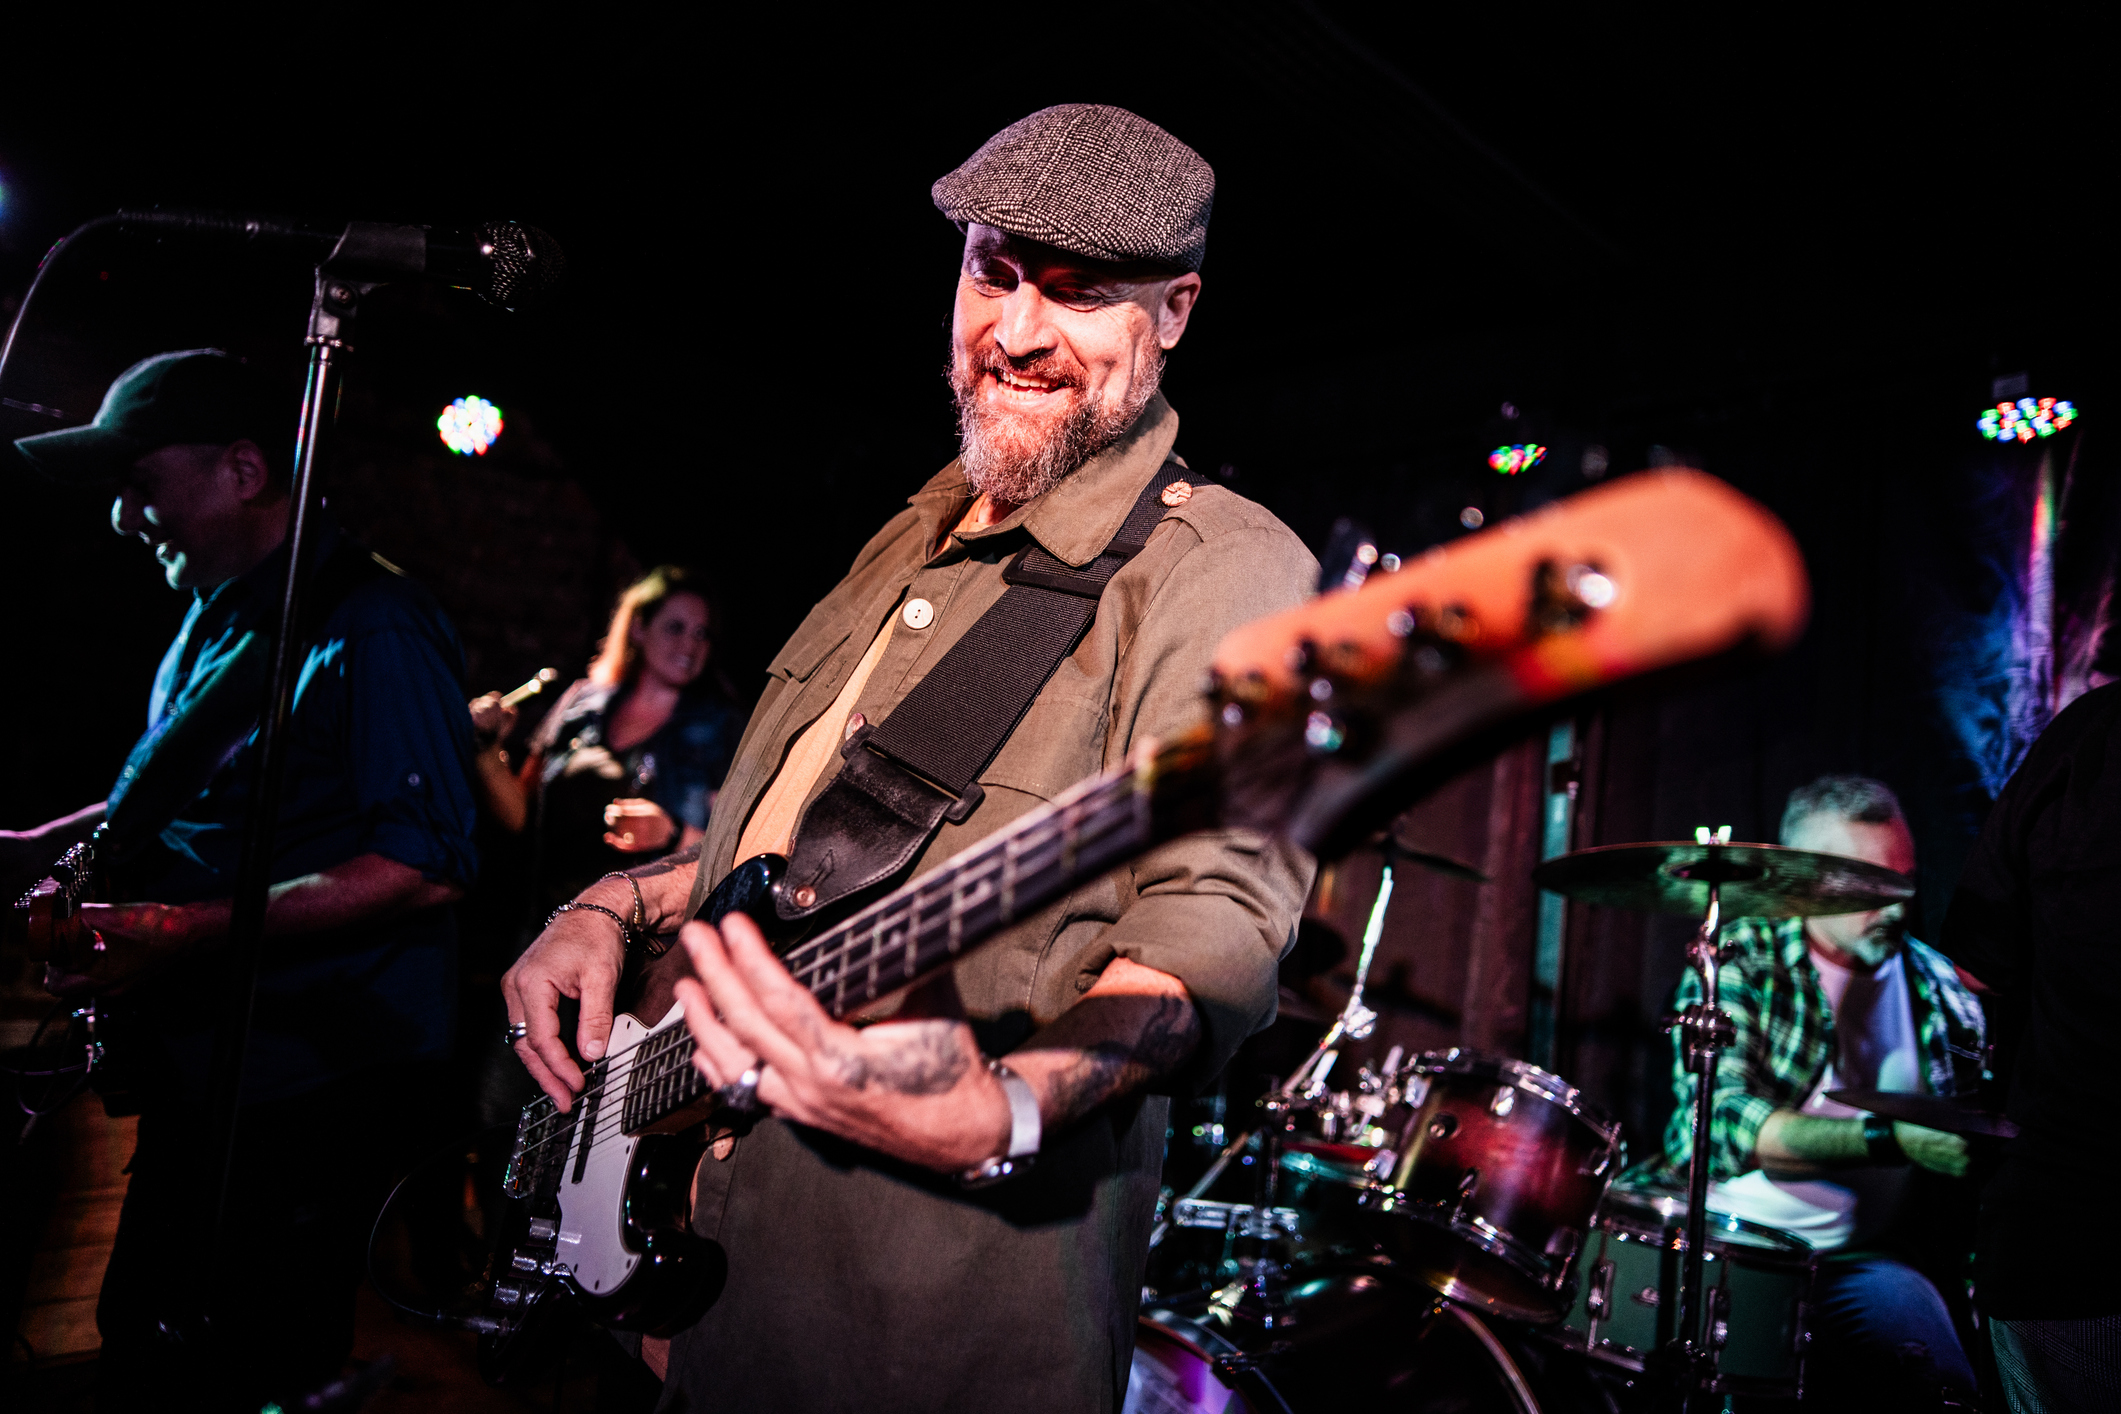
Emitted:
<point x="1322" y="722"/>
<point x="46" y="923"/>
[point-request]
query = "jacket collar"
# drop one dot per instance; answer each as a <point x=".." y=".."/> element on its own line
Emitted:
<point x="1076" y="519"/>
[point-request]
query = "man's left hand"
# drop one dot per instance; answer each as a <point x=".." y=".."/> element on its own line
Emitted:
<point x="638" y="826"/>
<point x="914" y="1089"/>
<point x="134" y="941"/>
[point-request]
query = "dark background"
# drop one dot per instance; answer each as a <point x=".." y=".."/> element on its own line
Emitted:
<point x="1794" y="251"/>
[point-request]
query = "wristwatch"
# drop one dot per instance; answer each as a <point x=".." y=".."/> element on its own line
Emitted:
<point x="1024" y="1132"/>
<point x="1883" y="1144"/>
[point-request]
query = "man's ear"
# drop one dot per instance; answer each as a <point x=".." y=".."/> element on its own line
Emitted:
<point x="1175" y="308"/>
<point x="245" y="461"/>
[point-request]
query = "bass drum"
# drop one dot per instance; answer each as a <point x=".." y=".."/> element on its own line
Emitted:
<point x="1356" y="1340"/>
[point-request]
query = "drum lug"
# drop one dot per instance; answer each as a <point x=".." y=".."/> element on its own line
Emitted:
<point x="1467" y="1183"/>
<point x="1598" y="1300"/>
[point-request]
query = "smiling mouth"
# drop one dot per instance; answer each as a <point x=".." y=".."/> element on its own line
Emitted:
<point x="1023" y="385"/>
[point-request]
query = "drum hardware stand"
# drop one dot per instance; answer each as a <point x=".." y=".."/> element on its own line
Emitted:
<point x="1305" y="1083"/>
<point x="1355" y="1022"/>
<point x="1704" y="1030"/>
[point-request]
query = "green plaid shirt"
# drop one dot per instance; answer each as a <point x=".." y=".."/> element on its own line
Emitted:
<point x="1785" y="1040"/>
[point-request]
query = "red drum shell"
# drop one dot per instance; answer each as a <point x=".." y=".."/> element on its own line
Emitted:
<point x="1499" y="1173"/>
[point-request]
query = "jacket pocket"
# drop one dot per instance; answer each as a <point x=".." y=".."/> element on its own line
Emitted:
<point x="809" y="647"/>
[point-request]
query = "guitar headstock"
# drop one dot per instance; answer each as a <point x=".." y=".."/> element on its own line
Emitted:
<point x="1327" y="713"/>
<point x="46" y="920"/>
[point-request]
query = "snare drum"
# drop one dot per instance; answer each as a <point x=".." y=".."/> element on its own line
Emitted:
<point x="1494" y="1183"/>
<point x="1758" y="1280"/>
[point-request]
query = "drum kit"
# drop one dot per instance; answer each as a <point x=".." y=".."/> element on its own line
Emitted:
<point x="1445" y="1232"/>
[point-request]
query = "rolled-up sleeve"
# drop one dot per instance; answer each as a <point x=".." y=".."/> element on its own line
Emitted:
<point x="411" y="750"/>
<point x="1218" y="909"/>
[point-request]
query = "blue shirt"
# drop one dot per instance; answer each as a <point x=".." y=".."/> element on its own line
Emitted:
<point x="378" y="761"/>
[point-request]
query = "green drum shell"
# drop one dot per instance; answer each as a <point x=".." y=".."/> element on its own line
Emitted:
<point x="1758" y="1281"/>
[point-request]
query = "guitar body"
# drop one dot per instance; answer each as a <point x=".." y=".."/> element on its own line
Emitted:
<point x="606" y="1221"/>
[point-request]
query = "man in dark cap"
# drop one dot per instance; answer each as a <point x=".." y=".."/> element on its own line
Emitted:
<point x="863" y="1272"/>
<point x="356" y="993"/>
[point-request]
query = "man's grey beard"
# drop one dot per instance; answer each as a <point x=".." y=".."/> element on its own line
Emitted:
<point x="1017" y="475"/>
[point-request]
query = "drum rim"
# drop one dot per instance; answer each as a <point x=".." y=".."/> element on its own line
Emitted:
<point x="1671" y="1209"/>
<point x="1461" y="1060"/>
<point x="1186" y="1331"/>
<point x="1325" y="1166"/>
<point x="1486" y="1238"/>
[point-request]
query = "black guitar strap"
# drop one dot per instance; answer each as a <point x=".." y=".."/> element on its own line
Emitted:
<point x="920" y="766"/>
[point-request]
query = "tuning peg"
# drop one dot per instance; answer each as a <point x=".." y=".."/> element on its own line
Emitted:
<point x="1323" y="733"/>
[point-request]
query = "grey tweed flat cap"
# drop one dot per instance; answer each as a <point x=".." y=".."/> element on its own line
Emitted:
<point x="1091" y="179"/>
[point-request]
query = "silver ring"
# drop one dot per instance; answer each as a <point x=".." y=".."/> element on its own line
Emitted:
<point x="516" y="1031"/>
<point x="742" y="1094"/>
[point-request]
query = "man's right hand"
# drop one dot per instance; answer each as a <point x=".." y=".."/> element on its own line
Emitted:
<point x="579" y="955"/>
<point x="1934" y="1149"/>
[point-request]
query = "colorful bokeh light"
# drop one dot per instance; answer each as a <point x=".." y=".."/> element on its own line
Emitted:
<point x="1511" y="460"/>
<point x="2026" y="419"/>
<point x="469" y="426"/>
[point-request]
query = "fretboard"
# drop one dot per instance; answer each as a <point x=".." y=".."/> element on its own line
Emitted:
<point x="925" y="925"/>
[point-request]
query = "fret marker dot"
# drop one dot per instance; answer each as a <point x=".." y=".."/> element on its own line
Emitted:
<point x="919" y="613"/>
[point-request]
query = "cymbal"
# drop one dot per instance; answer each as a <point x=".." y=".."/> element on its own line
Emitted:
<point x="1954" y="1116"/>
<point x="1758" y="880"/>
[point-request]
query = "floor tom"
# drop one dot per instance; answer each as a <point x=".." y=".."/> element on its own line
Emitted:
<point x="1758" y="1280"/>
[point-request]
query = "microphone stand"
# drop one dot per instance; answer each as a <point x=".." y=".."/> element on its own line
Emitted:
<point x="331" y="320"/>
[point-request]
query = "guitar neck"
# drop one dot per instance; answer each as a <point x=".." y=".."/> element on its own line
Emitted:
<point x="928" y="924"/>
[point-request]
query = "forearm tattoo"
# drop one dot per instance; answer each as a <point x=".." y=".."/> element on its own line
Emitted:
<point x="668" y="864"/>
<point x="928" y="1061"/>
<point x="1114" y="1067"/>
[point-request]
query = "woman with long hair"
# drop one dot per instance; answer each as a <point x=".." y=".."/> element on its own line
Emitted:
<point x="628" y="761"/>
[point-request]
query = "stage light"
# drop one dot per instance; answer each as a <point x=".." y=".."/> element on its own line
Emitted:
<point x="469" y="426"/>
<point x="2026" y="419"/>
<point x="1511" y="460"/>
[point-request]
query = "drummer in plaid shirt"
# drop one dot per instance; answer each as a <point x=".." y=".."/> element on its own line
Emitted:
<point x="1842" y="1002"/>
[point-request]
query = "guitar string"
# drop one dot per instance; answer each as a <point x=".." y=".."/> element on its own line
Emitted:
<point x="1050" y="828"/>
<point x="852" y="928"/>
<point x="563" y="1125"/>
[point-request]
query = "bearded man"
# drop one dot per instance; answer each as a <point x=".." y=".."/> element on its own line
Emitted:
<point x="862" y="1272"/>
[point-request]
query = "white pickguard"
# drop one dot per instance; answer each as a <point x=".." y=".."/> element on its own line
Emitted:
<point x="592" y="1241"/>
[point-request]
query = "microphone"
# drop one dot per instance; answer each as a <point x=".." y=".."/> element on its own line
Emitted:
<point x="503" y="262"/>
